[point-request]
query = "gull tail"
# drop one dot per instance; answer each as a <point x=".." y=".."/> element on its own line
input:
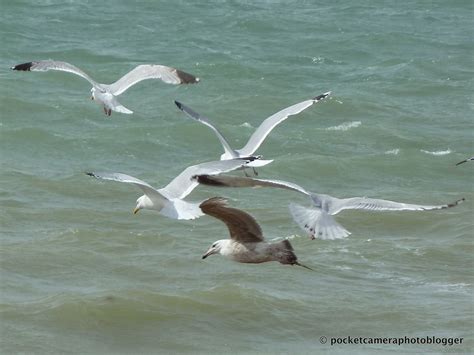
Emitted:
<point x="257" y="163"/>
<point x="287" y="256"/>
<point x="179" y="209"/>
<point x="317" y="223"/>
<point x="117" y="106"/>
<point x="302" y="265"/>
<point x="122" y="109"/>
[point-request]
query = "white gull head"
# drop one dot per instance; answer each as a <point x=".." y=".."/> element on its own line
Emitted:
<point x="218" y="247"/>
<point x="144" y="202"/>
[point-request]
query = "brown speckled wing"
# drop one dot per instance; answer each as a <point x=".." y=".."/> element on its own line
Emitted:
<point x="242" y="226"/>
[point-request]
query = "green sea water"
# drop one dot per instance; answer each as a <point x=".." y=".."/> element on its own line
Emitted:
<point x="81" y="274"/>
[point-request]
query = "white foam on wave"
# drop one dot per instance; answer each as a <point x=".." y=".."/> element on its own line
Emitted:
<point x="447" y="287"/>
<point x="438" y="152"/>
<point x="345" y="126"/>
<point x="246" y="125"/>
<point x="393" y="151"/>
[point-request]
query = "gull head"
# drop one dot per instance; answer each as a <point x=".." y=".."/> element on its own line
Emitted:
<point x="216" y="248"/>
<point x="143" y="202"/>
<point x="100" y="95"/>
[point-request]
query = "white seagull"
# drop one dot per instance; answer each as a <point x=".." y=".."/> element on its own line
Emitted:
<point x="318" y="221"/>
<point x="465" y="160"/>
<point x="258" y="136"/>
<point x="246" y="243"/>
<point x="168" y="200"/>
<point x="105" y="95"/>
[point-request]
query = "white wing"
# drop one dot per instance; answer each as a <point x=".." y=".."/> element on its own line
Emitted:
<point x="148" y="190"/>
<point x="183" y="184"/>
<point x="204" y="120"/>
<point x="237" y="181"/>
<point x="266" y="127"/>
<point x="45" y="65"/>
<point x="151" y="71"/>
<point x="372" y="204"/>
<point x="180" y="209"/>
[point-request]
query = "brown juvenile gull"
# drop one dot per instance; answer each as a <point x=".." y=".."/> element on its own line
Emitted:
<point x="246" y="243"/>
<point x="318" y="221"/>
<point x="105" y="95"/>
<point x="168" y="201"/>
<point x="259" y="135"/>
<point x="465" y="160"/>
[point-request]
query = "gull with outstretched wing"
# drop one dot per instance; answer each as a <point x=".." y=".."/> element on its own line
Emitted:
<point x="318" y="220"/>
<point x="259" y="135"/>
<point x="246" y="243"/>
<point x="104" y="94"/>
<point x="168" y="200"/>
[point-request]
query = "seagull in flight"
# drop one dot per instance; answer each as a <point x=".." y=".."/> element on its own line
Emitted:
<point x="246" y="243"/>
<point x="168" y="200"/>
<point x="105" y="95"/>
<point x="258" y="136"/>
<point x="318" y="220"/>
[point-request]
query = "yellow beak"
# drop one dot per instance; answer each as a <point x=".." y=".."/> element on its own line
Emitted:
<point x="136" y="209"/>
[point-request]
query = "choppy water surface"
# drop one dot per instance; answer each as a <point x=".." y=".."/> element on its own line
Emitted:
<point x="82" y="274"/>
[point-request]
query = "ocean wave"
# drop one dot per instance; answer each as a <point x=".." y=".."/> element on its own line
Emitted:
<point x="246" y="125"/>
<point x="437" y="152"/>
<point x="345" y="126"/>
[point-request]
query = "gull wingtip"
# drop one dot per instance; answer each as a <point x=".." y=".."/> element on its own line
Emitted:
<point x="457" y="202"/>
<point x="23" y="66"/>
<point x="186" y="78"/>
<point x="322" y="96"/>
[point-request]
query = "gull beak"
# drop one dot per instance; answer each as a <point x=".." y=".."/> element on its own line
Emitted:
<point x="209" y="252"/>
<point x="135" y="210"/>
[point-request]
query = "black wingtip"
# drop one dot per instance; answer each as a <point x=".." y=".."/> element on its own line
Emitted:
<point x="322" y="96"/>
<point x="207" y="180"/>
<point x="455" y="203"/>
<point x="90" y="174"/>
<point x="466" y="160"/>
<point x="187" y="78"/>
<point x="23" y="66"/>
<point x="250" y="158"/>
<point x="179" y="104"/>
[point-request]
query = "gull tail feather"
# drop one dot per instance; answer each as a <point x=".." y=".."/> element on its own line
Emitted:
<point x="122" y="109"/>
<point x="317" y="223"/>
<point x="289" y="257"/>
<point x="117" y="106"/>
<point x="302" y="265"/>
